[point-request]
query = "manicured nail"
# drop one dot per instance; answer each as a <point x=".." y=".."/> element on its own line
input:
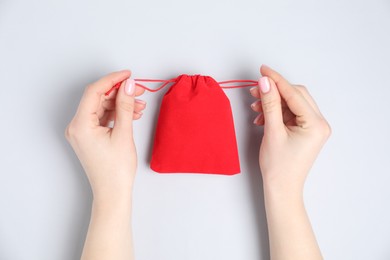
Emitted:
<point x="256" y="119"/>
<point x="140" y="101"/>
<point x="255" y="104"/>
<point x="264" y="84"/>
<point x="130" y="87"/>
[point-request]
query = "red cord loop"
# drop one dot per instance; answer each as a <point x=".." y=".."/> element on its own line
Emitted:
<point x="249" y="83"/>
<point x="240" y="83"/>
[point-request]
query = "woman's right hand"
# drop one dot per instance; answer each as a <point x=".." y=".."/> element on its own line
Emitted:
<point x="294" y="130"/>
<point x="108" y="154"/>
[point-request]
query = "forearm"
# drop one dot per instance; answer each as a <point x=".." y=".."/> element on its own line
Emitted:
<point x="290" y="232"/>
<point x="109" y="234"/>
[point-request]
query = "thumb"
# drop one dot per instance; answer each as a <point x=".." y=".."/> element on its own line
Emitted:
<point x="272" y="106"/>
<point x="124" y="108"/>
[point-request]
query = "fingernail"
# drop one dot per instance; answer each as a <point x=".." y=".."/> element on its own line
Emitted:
<point x="130" y="87"/>
<point x="140" y="101"/>
<point x="255" y="104"/>
<point x="264" y="84"/>
<point x="252" y="89"/>
<point x="256" y="119"/>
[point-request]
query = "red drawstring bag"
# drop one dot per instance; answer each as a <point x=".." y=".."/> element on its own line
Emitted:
<point x="195" y="129"/>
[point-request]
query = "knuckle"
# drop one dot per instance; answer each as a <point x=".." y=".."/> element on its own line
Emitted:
<point x="327" y="129"/>
<point x="323" y="128"/>
<point x="301" y="88"/>
<point x="89" y="88"/>
<point x="70" y="131"/>
<point x="294" y="95"/>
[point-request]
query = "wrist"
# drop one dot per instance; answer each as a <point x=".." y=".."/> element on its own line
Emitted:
<point x="111" y="185"/>
<point x="284" y="186"/>
<point x="106" y="199"/>
<point x="283" y="199"/>
<point x="112" y="205"/>
<point x="281" y="193"/>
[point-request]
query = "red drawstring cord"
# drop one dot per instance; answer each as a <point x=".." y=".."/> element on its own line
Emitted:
<point x="249" y="83"/>
<point x="166" y="82"/>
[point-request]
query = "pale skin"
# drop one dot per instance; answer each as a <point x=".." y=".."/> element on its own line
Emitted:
<point x="294" y="133"/>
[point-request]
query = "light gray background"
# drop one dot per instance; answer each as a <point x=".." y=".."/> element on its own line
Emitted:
<point x="50" y="50"/>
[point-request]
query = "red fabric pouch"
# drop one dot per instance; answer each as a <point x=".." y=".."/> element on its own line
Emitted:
<point x="195" y="129"/>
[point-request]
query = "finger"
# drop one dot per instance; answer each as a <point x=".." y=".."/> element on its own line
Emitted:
<point x="139" y="105"/>
<point x="137" y="115"/>
<point x="110" y="98"/>
<point x="108" y="111"/>
<point x="256" y="106"/>
<point x="294" y="99"/>
<point x="92" y="97"/>
<point x="139" y="91"/>
<point x="108" y="104"/>
<point x="105" y="106"/>
<point x="124" y="110"/>
<point x="259" y="120"/>
<point x="107" y="117"/>
<point x="272" y="106"/>
<point x="111" y="95"/>
<point x="308" y="98"/>
<point x="287" y="114"/>
<point x="255" y="92"/>
<point x="289" y="119"/>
